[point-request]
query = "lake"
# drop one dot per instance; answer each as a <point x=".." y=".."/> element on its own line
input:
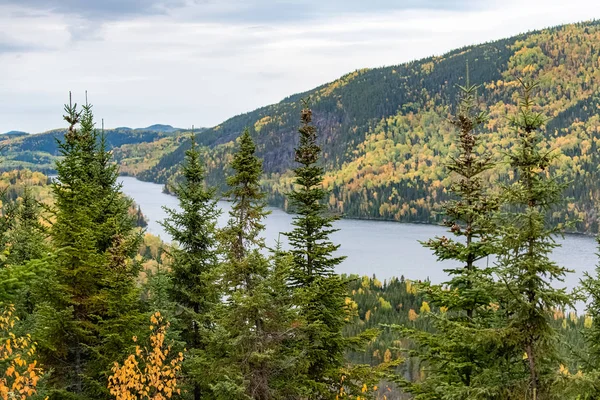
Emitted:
<point x="380" y="248"/>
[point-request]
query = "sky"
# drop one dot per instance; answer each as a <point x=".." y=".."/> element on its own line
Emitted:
<point x="199" y="62"/>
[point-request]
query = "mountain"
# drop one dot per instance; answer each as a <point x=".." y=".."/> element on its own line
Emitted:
<point x="384" y="132"/>
<point x="40" y="151"/>
<point x="385" y="137"/>
<point x="15" y="133"/>
<point x="160" y="128"/>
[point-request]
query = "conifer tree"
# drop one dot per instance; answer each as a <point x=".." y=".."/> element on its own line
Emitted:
<point x="194" y="266"/>
<point x="525" y="244"/>
<point x="25" y="236"/>
<point x="320" y="293"/>
<point x="588" y="384"/>
<point x="460" y="355"/>
<point x="93" y="310"/>
<point x="257" y="315"/>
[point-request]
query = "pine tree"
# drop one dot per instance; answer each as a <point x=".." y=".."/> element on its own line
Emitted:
<point x="257" y="315"/>
<point x="195" y="266"/>
<point x="93" y="309"/>
<point x="525" y="246"/>
<point x="320" y="293"/>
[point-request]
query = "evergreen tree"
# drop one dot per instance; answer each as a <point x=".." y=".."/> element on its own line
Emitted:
<point x="588" y="384"/>
<point x="320" y="293"/>
<point x="26" y="235"/>
<point x="525" y="245"/>
<point x="93" y="310"/>
<point x="194" y="267"/>
<point x="257" y="315"/>
<point x="461" y="355"/>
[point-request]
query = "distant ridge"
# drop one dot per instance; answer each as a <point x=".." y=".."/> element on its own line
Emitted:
<point x="160" y="128"/>
<point x="15" y="133"/>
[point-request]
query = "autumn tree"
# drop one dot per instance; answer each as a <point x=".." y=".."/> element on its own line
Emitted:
<point x="150" y="373"/>
<point x="194" y="267"/>
<point x="19" y="370"/>
<point x="526" y="242"/>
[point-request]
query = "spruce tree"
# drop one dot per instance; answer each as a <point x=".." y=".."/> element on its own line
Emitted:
<point x="26" y="235"/>
<point x="461" y="355"/>
<point x="93" y="310"/>
<point x="525" y="246"/>
<point x="320" y="293"/>
<point x="257" y="314"/>
<point x="194" y="267"/>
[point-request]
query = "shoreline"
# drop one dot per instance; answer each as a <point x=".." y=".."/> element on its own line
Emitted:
<point x="370" y="219"/>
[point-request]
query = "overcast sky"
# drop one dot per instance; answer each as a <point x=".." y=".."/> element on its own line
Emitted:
<point x="184" y="62"/>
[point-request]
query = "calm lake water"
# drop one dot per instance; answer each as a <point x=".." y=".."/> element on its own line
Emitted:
<point x="385" y="249"/>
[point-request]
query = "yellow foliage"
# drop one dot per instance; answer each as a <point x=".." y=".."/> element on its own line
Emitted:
<point x="146" y="374"/>
<point x="21" y="374"/>
<point x="412" y="315"/>
<point x="387" y="356"/>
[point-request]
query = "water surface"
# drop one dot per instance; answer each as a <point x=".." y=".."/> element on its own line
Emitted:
<point x="384" y="249"/>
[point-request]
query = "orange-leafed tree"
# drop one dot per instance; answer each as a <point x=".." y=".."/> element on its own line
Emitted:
<point x="148" y="373"/>
<point x="19" y="372"/>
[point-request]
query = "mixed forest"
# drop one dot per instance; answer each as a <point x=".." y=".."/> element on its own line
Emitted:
<point x="92" y="307"/>
<point x="382" y="132"/>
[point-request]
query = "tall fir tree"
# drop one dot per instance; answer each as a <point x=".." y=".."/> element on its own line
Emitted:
<point x="93" y="310"/>
<point x="320" y="293"/>
<point x="461" y="355"/>
<point x="256" y="318"/>
<point x="525" y="245"/>
<point x="194" y="268"/>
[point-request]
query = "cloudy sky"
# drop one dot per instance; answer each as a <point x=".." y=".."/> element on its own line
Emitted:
<point x="184" y="62"/>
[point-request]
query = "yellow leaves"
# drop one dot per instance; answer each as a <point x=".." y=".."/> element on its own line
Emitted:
<point x="412" y="315"/>
<point x="425" y="307"/>
<point x="20" y="378"/>
<point x="261" y="123"/>
<point x="563" y="370"/>
<point x="387" y="356"/>
<point x="147" y="374"/>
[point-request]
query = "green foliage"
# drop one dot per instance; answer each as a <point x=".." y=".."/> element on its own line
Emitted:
<point x="319" y="292"/>
<point x="91" y="299"/>
<point x="194" y="267"/>
<point x="256" y="317"/>
<point x="463" y="356"/>
<point x="526" y="240"/>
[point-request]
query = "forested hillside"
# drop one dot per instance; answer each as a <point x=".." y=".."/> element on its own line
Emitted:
<point x="40" y="151"/>
<point x="384" y="134"/>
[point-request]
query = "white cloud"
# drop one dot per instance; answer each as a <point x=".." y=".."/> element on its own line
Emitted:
<point x="174" y="68"/>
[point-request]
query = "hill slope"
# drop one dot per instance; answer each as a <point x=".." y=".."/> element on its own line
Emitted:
<point x="384" y="134"/>
<point x="40" y="151"/>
